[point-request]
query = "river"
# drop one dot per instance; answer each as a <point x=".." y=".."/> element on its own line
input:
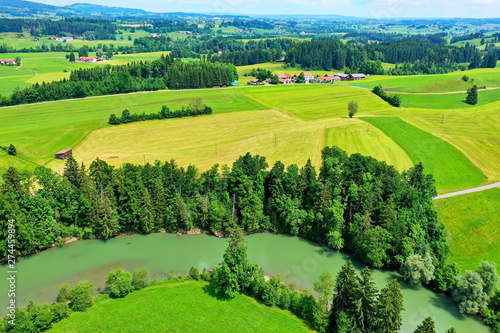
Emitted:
<point x="298" y="260"/>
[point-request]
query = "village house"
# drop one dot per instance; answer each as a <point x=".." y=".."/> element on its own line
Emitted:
<point x="7" y="62"/>
<point x="255" y="82"/>
<point x="64" y="154"/>
<point x="89" y="59"/>
<point x="309" y="76"/>
<point x="154" y="35"/>
<point x="327" y="79"/>
<point x="285" y="78"/>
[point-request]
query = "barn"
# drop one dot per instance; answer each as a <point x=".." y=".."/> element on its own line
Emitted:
<point x="64" y="154"/>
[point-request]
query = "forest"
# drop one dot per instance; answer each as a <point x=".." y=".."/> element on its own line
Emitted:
<point x="163" y="73"/>
<point x="90" y="29"/>
<point x="414" y="56"/>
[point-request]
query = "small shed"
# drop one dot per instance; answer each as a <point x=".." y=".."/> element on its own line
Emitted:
<point x="64" y="154"/>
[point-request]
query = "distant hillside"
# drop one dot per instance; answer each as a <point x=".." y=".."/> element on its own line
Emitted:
<point x="28" y="8"/>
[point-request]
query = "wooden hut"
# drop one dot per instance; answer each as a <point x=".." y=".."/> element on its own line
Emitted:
<point x="64" y="154"/>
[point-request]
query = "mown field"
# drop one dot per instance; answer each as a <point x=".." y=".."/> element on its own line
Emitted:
<point x="473" y="228"/>
<point x="180" y="307"/>
<point x="451" y="168"/>
<point x="207" y="140"/>
<point x="370" y="141"/>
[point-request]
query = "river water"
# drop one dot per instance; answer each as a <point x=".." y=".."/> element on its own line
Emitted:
<point x="40" y="275"/>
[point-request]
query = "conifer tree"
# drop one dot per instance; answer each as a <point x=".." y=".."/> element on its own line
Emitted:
<point x="471" y="96"/>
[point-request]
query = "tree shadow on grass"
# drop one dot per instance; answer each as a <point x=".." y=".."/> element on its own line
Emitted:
<point x="210" y="290"/>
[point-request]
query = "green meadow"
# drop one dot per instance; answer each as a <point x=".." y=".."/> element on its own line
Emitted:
<point x="451" y="168"/>
<point x="448" y="101"/>
<point x="451" y="82"/>
<point x="472" y="224"/>
<point x="179" y="307"/>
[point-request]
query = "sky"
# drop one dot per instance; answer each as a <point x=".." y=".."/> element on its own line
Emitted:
<point x="379" y="9"/>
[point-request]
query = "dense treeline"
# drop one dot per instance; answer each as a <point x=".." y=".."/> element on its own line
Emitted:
<point x="355" y="203"/>
<point x="164" y="113"/>
<point x="248" y="24"/>
<point x="137" y="76"/>
<point x="415" y="55"/>
<point x="244" y="58"/>
<point x="166" y="26"/>
<point x="90" y="29"/>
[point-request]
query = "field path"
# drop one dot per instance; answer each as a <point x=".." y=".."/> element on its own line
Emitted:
<point x="471" y="190"/>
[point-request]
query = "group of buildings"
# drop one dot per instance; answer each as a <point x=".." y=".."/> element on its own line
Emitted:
<point x="286" y="78"/>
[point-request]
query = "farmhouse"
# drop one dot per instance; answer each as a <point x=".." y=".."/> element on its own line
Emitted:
<point x="327" y="79"/>
<point x="7" y="62"/>
<point x="342" y="76"/>
<point x="64" y="154"/>
<point x="309" y="76"/>
<point x="285" y="78"/>
<point x="89" y="59"/>
<point x="353" y="77"/>
<point x="255" y="81"/>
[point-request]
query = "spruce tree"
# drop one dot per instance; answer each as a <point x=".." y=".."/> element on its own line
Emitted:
<point x="11" y="150"/>
<point x="427" y="326"/>
<point x="471" y="96"/>
<point x="389" y="307"/>
<point x="235" y="273"/>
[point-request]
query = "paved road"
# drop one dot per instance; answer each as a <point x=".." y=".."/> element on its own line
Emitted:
<point x="471" y="190"/>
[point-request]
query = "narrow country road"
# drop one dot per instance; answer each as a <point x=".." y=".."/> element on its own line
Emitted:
<point x="471" y="190"/>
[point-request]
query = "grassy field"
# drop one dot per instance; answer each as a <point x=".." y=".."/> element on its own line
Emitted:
<point x="451" y="169"/>
<point x="450" y="82"/>
<point x="370" y="141"/>
<point x="40" y="130"/>
<point x="473" y="228"/>
<point x="448" y="101"/>
<point x="317" y="102"/>
<point x="180" y="307"/>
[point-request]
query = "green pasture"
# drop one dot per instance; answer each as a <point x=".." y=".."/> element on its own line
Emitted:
<point x="449" y="101"/>
<point x="317" y="101"/>
<point x="180" y="307"/>
<point x="451" y="169"/>
<point x="473" y="229"/>
<point x="451" y="82"/>
<point x="474" y="131"/>
<point x="40" y="130"/>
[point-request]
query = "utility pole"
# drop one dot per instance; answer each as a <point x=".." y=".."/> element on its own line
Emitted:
<point x="442" y="119"/>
